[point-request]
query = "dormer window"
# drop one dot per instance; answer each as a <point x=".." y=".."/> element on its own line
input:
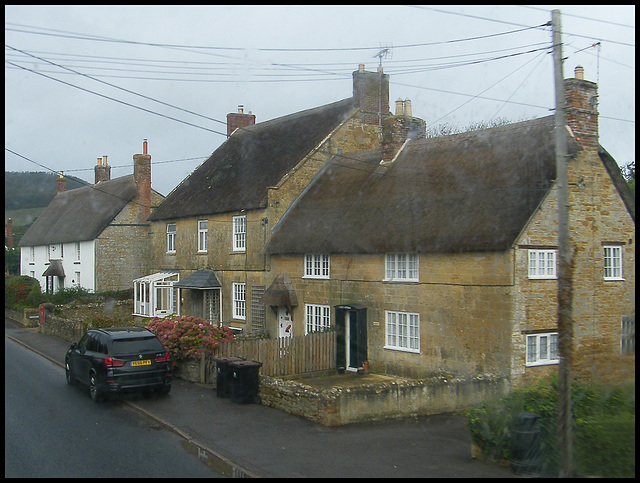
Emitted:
<point x="316" y="266"/>
<point x="401" y="267"/>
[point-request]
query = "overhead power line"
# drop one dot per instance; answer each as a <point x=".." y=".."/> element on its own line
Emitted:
<point x="79" y="36"/>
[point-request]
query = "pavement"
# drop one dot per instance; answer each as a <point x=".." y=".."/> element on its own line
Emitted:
<point x="252" y="440"/>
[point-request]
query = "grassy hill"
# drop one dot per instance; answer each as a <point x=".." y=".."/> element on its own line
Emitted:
<point x="27" y="194"/>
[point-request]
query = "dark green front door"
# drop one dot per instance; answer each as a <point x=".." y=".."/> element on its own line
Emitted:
<point x="351" y="327"/>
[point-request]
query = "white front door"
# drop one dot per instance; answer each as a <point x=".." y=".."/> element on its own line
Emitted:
<point x="351" y="340"/>
<point x="285" y="328"/>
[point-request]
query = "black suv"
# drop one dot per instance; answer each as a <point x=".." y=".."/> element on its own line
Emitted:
<point x="119" y="359"/>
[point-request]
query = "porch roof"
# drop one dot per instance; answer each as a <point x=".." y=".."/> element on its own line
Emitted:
<point x="54" y="270"/>
<point x="280" y="293"/>
<point x="202" y="279"/>
<point x="155" y="277"/>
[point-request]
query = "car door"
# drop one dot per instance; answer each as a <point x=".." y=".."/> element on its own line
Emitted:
<point x="88" y="353"/>
<point x="76" y="360"/>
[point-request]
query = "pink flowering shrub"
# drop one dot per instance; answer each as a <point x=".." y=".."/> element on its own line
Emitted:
<point x="185" y="336"/>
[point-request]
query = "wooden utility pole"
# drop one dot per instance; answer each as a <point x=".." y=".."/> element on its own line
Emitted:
<point x="565" y="326"/>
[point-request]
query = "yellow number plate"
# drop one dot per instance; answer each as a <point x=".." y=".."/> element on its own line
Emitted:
<point x="146" y="362"/>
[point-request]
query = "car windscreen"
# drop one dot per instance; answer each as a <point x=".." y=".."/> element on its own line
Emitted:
<point x="123" y="347"/>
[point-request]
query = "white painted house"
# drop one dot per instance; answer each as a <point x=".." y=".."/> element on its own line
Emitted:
<point x="94" y="237"/>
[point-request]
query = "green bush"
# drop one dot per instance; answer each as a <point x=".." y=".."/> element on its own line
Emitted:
<point x="21" y="292"/>
<point x="603" y="427"/>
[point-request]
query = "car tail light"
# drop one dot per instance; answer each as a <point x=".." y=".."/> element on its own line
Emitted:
<point x="164" y="358"/>
<point x="111" y="362"/>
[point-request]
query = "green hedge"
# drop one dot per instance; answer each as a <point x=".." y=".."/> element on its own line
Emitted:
<point x="603" y="427"/>
<point x="22" y="292"/>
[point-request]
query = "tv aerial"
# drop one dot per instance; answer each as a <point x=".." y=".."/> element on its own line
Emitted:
<point x="383" y="53"/>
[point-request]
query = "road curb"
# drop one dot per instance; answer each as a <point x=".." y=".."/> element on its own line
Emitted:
<point x="215" y="461"/>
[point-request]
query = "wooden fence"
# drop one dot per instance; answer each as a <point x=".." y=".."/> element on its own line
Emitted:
<point x="284" y="356"/>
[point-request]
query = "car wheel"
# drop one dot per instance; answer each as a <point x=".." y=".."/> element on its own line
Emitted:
<point x="67" y="372"/>
<point x="94" y="390"/>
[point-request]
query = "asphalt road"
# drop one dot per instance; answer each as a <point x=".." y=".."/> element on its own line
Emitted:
<point x="55" y="430"/>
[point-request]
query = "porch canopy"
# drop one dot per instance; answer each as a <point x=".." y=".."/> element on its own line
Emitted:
<point x="157" y="277"/>
<point x="202" y="279"/>
<point x="280" y="293"/>
<point x="54" y="270"/>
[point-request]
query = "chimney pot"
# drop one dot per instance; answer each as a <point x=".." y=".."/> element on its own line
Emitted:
<point x="104" y="160"/>
<point x="361" y="67"/>
<point x="144" y="146"/>
<point x="407" y="108"/>
<point x="240" y="109"/>
<point x="579" y="72"/>
<point x="99" y="162"/>
<point x="399" y="107"/>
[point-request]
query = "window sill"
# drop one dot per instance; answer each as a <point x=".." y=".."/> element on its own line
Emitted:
<point x="402" y="349"/>
<point x="545" y="363"/>
<point x="401" y="280"/>
<point x="615" y="279"/>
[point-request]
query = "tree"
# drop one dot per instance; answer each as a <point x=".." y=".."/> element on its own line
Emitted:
<point x="629" y="173"/>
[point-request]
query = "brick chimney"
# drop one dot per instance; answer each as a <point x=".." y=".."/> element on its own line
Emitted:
<point x="239" y="119"/>
<point x="61" y="183"/>
<point x="142" y="177"/>
<point x="102" y="170"/>
<point x="582" y="109"/>
<point x="397" y="129"/>
<point x="371" y="95"/>
<point x="9" y="233"/>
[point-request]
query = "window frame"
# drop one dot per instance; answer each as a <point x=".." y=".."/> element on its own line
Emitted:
<point x="171" y="238"/>
<point x="239" y="233"/>
<point x="549" y="352"/>
<point x="202" y="236"/>
<point x="398" y="267"/>
<point x="615" y="271"/>
<point x="317" y="318"/>
<point x="317" y="265"/>
<point x="393" y="334"/>
<point x="239" y="300"/>
<point x="533" y="270"/>
<point x="627" y="335"/>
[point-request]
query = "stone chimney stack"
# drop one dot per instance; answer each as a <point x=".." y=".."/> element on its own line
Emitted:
<point x="371" y="95"/>
<point x="102" y="170"/>
<point x="239" y="120"/>
<point x="9" y="233"/>
<point x="142" y="177"/>
<point x="582" y="109"/>
<point x="61" y="183"/>
<point x="397" y="129"/>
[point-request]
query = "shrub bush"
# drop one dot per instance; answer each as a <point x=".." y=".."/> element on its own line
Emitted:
<point x="603" y="427"/>
<point x="185" y="336"/>
<point x="21" y="292"/>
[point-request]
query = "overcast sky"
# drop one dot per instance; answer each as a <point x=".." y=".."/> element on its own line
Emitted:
<point x="83" y="82"/>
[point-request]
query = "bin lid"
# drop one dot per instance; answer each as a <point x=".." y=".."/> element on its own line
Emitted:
<point x="228" y="359"/>
<point x="240" y="364"/>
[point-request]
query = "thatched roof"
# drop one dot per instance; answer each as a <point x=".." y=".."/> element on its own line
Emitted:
<point x="467" y="192"/>
<point x="81" y="214"/>
<point x="236" y="176"/>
